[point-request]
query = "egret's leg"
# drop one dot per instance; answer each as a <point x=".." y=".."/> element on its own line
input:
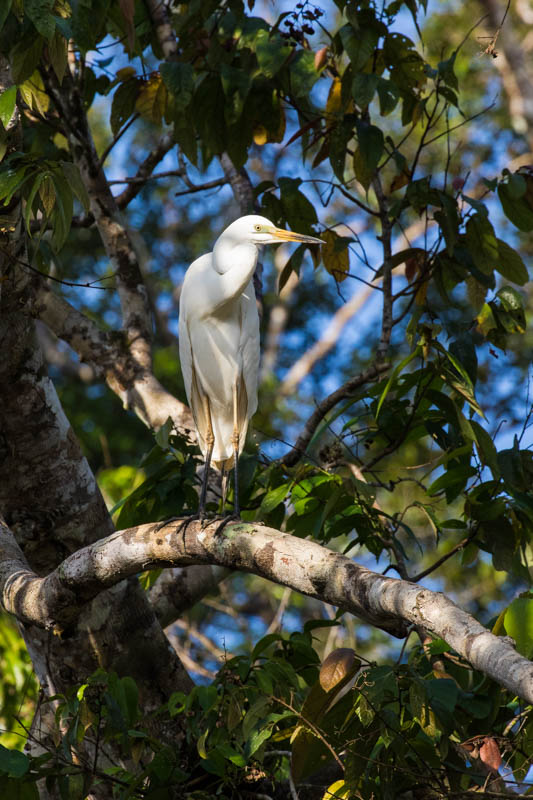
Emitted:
<point x="224" y="482"/>
<point x="210" y="441"/>
<point x="235" y="441"/>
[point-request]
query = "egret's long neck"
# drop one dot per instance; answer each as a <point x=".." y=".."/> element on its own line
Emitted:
<point x="235" y="263"/>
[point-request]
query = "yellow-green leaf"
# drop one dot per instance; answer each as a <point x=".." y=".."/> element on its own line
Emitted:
<point x="33" y="93"/>
<point x="336" y="260"/>
<point x="152" y="99"/>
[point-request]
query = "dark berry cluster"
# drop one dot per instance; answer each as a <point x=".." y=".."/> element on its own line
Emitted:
<point x="300" y="21"/>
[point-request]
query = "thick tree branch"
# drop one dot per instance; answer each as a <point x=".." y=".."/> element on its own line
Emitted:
<point x="52" y="502"/>
<point x="109" y="356"/>
<point x="136" y="316"/>
<point x="347" y="389"/>
<point x="304" y="566"/>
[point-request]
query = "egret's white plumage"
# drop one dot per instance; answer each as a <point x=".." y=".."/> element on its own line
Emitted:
<point x="219" y="335"/>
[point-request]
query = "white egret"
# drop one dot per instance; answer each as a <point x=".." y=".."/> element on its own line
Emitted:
<point x="219" y="340"/>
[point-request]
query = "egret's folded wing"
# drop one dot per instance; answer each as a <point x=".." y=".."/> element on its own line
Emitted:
<point x="250" y="348"/>
<point x="192" y="389"/>
<point x="185" y="354"/>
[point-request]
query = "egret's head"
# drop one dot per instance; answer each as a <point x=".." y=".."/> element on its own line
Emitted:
<point x="259" y="230"/>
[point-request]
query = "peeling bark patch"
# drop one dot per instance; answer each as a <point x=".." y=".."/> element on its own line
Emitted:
<point x="318" y="583"/>
<point x="358" y="589"/>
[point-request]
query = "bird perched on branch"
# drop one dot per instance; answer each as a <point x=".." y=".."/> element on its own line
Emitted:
<point x="219" y="341"/>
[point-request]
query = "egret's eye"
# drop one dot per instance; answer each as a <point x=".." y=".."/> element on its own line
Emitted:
<point x="257" y="227"/>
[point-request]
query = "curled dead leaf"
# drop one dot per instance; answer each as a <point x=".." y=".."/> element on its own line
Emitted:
<point x="336" y="666"/>
<point x="489" y="753"/>
<point x="321" y="57"/>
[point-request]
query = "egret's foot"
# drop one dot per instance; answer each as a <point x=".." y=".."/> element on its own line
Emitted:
<point x="166" y="521"/>
<point x="226" y="521"/>
<point x="186" y="521"/>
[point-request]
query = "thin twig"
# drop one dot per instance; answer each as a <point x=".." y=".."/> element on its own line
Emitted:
<point x="462" y="544"/>
<point x="346" y="390"/>
<point x="117" y="138"/>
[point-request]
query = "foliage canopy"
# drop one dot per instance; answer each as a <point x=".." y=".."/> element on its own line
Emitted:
<point x="337" y="123"/>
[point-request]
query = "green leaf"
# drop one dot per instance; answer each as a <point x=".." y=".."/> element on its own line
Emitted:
<point x="458" y="476"/>
<point x="389" y="95"/>
<point x="28" y="211"/>
<point x="256" y="739"/>
<point x="57" y="52"/>
<point x="416" y="352"/>
<point x="512" y="468"/>
<point x="369" y="151"/>
<point x="364" y="86"/>
<point x="461" y="382"/>
<point x="7" y="104"/>
<point x="482" y="244"/>
<point x="519" y="624"/>
<point x="486" y="449"/>
<point x="40" y="13"/>
<point x="302" y="74"/>
<point x="515" y="208"/>
<point x="272" y="52"/>
<point x="73" y="177"/>
<point x="340" y="135"/>
<point x="208" y="696"/>
<point x="62" y="216"/>
<point x="13" y="762"/>
<point x="179" y="80"/>
<point x="12" y="179"/>
<point x="208" y="111"/>
<point x="130" y="699"/>
<point x="123" y="103"/>
<point x="446" y="72"/>
<point x="25" y="57"/>
<point x="359" y="44"/>
<point x="510" y="264"/>
<point x="274" y="498"/>
<point x="5" y="8"/>
<point x="231" y="754"/>
<point x="263" y="643"/>
<point x="511" y="299"/>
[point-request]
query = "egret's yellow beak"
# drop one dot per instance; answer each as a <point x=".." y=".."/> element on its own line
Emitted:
<point x="290" y="236"/>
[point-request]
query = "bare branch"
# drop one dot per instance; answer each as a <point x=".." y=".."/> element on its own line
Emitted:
<point x="158" y="11"/>
<point x="346" y="390"/>
<point x="241" y="184"/>
<point x="145" y="171"/>
<point x="202" y="187"/>
<point x="327" y="341"/>
<point x="305" y="566"/>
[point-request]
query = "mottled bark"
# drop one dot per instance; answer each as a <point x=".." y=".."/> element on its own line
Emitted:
<point x="305" y="566"/>
<point x="50" y="498"/>
<point x="136" y="318"/>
